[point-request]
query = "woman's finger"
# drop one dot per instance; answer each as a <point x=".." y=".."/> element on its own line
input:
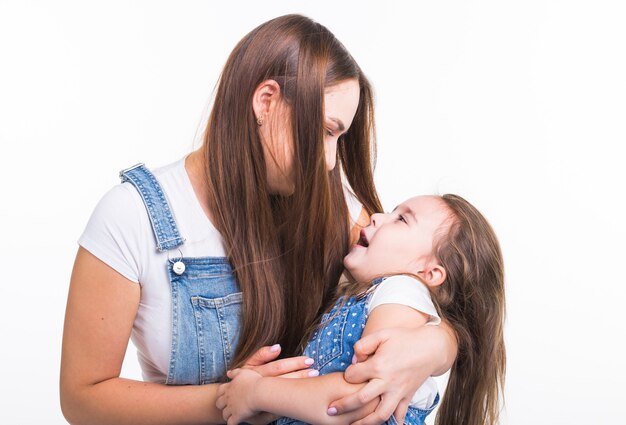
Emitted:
<point x="355" y="401"/>
<point x="368" y="345"/>
<point x="283" y="366"/>
<point x="362" y="372"/>
<point x="401" y="410"/>
<point x="305" y="373"/>
<point x="263" y="355"/>
<point x="383" y="412"/>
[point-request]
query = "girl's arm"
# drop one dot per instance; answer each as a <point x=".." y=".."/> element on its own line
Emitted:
<point x="308" y="399"/>
<point x="101" y="309"/>
<point x="304" y="399"/>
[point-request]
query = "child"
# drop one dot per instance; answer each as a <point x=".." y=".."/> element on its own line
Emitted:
<point x="429" y="245"/>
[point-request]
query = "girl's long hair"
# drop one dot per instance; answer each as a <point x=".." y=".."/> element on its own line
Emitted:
<point x="472" y="301"/>
<point x="286" y="250"/>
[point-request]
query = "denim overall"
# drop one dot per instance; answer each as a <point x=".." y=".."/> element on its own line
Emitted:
<point x="206" y="299"/>
<point x="332" y="343"/>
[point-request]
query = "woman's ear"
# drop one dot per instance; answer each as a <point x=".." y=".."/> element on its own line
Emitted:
<point x="433" y="275"/>
<point x="265" y="99"/>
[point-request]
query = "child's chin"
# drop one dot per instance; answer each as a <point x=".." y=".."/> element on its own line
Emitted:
<point x="348" y="262"/>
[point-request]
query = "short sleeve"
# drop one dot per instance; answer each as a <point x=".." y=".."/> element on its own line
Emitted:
<point x="115" y="232"/>
<point x="407" y="291"/>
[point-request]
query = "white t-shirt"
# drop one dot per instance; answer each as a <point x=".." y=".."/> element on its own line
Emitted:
<point x="119" y="233"/>
<point x="409" y="291"/>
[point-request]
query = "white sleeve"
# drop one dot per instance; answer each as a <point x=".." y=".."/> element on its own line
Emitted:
<point x="407" y="291"/>
<point x="354" y="205"/>
<point x="116" y="231"/>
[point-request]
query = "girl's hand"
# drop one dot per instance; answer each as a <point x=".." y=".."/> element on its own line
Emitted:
<point x="395" y="363"/>
<point x="263" y="363"/>
<point x="236" y="398"/>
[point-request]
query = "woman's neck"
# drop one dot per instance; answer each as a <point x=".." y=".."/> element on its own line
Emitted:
<point x="195" y="167"/>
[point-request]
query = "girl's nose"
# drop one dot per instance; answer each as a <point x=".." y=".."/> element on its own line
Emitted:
<point x="377" y="219"/>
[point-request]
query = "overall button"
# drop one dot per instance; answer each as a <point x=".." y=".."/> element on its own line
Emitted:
<point x="179" y="267"/>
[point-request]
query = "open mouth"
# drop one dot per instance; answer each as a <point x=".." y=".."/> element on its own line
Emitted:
<point x="363" y="240"/>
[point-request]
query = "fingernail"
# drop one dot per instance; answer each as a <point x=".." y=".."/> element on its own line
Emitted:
<point x="354" y="359"/>
<point x="332" y="411"/>
<point x="314" y="372"/>
<point x="274" y="348"/>
<point x="309" y="362"/>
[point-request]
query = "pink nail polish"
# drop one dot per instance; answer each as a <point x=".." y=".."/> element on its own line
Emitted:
<point x="274" y="348"/>
<point x="313" y="373"/>
<point x="332" y="411"/>
<point x="309" y="362"/>
<point x="354" y="359"/>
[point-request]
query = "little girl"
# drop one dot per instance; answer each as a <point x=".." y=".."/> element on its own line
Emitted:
<point x="438" y="246"/>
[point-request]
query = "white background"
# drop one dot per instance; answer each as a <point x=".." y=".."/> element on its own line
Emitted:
<point x="518" y="106"/>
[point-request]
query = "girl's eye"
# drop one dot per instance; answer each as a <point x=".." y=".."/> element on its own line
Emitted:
<point x="401" y="218"/>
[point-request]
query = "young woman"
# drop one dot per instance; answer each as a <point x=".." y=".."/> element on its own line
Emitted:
<point x="237" y="246"/>
<point x="428" y="244"/>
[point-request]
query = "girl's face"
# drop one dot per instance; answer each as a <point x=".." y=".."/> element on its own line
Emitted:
<point x="340" y="104"/>
<point x="398" y="242"/>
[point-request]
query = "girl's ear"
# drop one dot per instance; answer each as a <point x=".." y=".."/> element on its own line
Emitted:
<point x="264" y="99"/>
<point x="433" y="275"/>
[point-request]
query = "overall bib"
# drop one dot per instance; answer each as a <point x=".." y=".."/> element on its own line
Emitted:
<point x="206" y="299"/>
<point x="331" y="347"/>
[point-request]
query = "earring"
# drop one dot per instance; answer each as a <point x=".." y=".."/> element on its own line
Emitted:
<point x="259" y="121"/>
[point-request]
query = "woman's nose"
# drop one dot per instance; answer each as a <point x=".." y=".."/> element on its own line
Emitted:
<point x="331" y="154"/>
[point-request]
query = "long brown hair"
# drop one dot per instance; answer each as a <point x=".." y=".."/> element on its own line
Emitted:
<point x="472" y="301"/>
<point x="286" y="250"/>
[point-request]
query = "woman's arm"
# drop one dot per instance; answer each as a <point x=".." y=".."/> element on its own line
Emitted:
<point x="304" y="399"/>
<point x="308" y="399"/>
<point x="101" y="309"/>
<point x="396" y="362"/>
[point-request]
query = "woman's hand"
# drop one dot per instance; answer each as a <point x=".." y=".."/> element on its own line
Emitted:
<point x="236" y="398"/>
<point x="264" y="364"/>
<point x="395" y="363"/>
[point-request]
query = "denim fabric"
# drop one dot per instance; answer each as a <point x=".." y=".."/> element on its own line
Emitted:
<point x="159" y="212"/>
<point x="331" y="347"/>
<point x="206" y="299"/>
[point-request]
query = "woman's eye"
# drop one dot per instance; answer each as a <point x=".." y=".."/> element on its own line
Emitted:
<point x="401" y="218"/>
<point x="329" y="133"/>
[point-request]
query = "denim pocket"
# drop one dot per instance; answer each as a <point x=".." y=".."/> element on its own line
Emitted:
<point x="216" y="315"/>
<point x="329" y="338"/>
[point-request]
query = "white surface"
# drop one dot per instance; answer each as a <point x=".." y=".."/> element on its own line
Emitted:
<point x="518" y="106"/>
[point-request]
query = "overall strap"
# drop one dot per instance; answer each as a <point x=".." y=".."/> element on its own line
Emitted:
<point x="159" y="212"/>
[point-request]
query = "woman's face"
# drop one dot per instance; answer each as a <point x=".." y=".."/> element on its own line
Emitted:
<point x="340" y="104"/>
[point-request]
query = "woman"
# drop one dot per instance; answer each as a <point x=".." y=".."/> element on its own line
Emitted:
<point x="290" y="104"/>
